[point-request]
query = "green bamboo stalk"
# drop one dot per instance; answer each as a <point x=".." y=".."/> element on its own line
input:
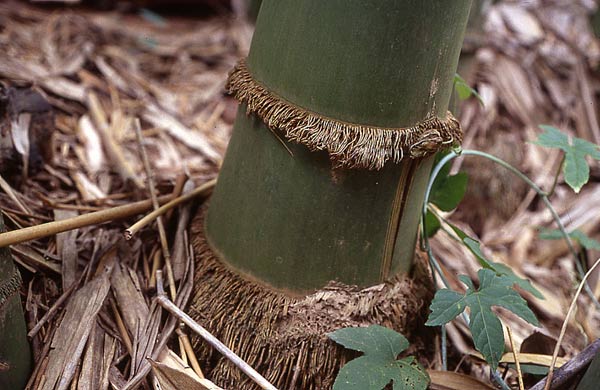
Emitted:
<point x="15" y="355"/>
<point x="281" y="214"/>
<point x="253" y="8"/>
<point x="343" y="103"/>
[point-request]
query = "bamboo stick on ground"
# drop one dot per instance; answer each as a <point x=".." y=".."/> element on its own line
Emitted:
<point x="213" y="341"/>
<point x="202" y="190"/>
<point x="159" y="223"/>
<point x="95" y="218"/>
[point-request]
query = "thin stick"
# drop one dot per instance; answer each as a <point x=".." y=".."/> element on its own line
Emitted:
<point x="209" y="338"/>
<point x="565" y="323"/>
<point x="52" y="311"/>
<point x="161" y="228"/>
<point x="10" y="192"/>
<point x="571" y="368"/>
<point x="122" y="329"/>
<point x="155" y="266"/>
<point x="516" y="356"/>
<point x="202" y="190"/>
<point x="185" y="340"/>
<point x="110" y="146"/>
<point x="556" y="175"/>
<point x="95" y="218"/>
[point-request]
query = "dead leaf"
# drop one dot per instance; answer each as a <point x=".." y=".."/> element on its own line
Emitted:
<point x="449" y="380"/>
<point x="172" y="374"/>
<point x="72" y="334"/>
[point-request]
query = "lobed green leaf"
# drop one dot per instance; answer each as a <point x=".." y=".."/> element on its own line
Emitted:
<point x="486" y="328"/>
<point x="575" y="169"/>
<point x="378" y="366"/>
<point x="577" y="235"/>
<point x="374" y="341"/>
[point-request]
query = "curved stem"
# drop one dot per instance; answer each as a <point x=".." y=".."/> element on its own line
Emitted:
<point x="500" y="381"/>
<point x="544" y="196"/>
<point x="556" y="175"/>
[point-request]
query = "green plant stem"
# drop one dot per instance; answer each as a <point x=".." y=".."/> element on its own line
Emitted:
<point x="556" y="175"/>
<point x="443" y="226"/>
<point x="544" y="196"/>
<point x="444" y="349"/>
<point x="499" y="380"/>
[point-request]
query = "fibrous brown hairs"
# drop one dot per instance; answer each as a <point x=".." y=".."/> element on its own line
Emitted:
<point x="10" y="287"/>
<point x="349" y="145"/>
<point x="283" y="337"/>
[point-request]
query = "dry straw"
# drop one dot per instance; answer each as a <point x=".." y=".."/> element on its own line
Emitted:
<point x="349" y="145"/>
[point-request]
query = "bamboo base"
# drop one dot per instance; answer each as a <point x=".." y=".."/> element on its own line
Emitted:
<point x="285" y="337"/>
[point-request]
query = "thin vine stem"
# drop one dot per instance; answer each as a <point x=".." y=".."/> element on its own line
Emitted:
<point x="542" y="194"/>
<point x="556" y="175"/>
<point x="500" y="381"/>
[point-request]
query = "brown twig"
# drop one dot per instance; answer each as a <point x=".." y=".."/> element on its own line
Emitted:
<point x="565" y="323"/>
<point x="95" y="218"/>
<point x="52" y="311"/>
<point x="571" y="368"/>
<point x="208" y="337"/>
<point x="161" y="228"/>
<point x="516" y="356"/>
<point x="185" y="340"/>
<point x="10" y="192"/>
<point x="202" y="190"/>
<point x="112" y="148"/>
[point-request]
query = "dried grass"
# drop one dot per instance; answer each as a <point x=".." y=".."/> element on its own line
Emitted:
<point x="535" y="62"/>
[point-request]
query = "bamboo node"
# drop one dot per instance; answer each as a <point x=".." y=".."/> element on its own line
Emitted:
<point x="284" y="337"/>
<point x="349" y="145"/>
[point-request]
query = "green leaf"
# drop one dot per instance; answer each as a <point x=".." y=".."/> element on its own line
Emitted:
<point x="446" y="306"/>
<point x="506" y="272"/>
<point x="447" y="190"/>
<point x="485" y="326"/>
<point x="459" y="232"/>
<point x="553" y="138"/>
<point x="532" y="369"/>
<point x="577" y="235"/>
<point x="585" y="241"/>
<point x="362" y="373"/>
<point x="464" y="90"/>
<point x="407" y="374"/>
<point x="575" y="169"/>
<point x="500" y="269"/>
<point x="378" y="366"/>
<point x="475" y="248"/>
<point x="432" y="224"/>
<point x="375" y="341"/>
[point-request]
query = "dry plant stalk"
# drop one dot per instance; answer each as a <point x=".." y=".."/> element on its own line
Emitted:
<point x="349" y="145"/>
<point x="516" y="357"/>
<point x="566" y="322"/>
<point x="152" y="189"/>
<point x="51" y="228"/>
<point x="202" y="190"/>
<point x="208" y="337"/>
